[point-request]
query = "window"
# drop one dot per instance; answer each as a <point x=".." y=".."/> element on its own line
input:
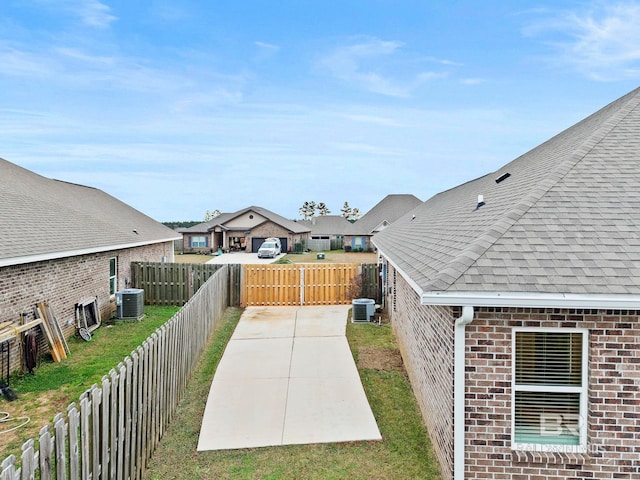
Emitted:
<point x="113" y="275"/>
<point x="197" y="242"/>
<point x="550" y="390"/>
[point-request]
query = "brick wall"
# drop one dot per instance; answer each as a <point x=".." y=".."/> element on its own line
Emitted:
<point x="65" y="282"/>
<point x="614" y="396"/>
<point x="425" y="338"/>
<point x="425" y="335"/>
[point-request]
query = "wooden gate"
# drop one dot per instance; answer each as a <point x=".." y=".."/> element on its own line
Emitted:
<point x="300" y="284"/>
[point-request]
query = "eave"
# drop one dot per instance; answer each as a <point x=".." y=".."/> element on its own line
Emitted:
<point x="43" y="257"/>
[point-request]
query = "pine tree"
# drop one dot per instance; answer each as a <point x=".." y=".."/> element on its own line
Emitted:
<point x="308" y="210"/>
<point x="323" y="209"/>
<point x="345" y="211"/>
<point x="208" y="215"/>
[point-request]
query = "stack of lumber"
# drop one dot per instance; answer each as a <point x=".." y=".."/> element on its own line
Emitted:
<point x="10" y="330"/>
<point x="53" y="331"/>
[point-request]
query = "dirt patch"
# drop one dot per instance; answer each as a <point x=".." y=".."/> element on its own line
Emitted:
<point x="380" y="359"/>
<point x="22" y="419"/>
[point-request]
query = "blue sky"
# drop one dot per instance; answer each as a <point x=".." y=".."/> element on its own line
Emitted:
<point x="177" y="108"/>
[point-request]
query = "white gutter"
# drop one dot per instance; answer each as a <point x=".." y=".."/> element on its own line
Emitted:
<point x="42" y="257"/>
<point x="459" y="384"/>
<point x="532" y="300"/>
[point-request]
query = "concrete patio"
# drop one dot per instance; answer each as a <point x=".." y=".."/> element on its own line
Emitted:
<point x="287" y="376"/>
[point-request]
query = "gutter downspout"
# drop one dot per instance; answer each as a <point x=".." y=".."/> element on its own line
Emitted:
<point x="459" y="392"/>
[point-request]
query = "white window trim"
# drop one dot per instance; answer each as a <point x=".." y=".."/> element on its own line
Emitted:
<point x="114" y="277"/>
<point x="582" y="390"/>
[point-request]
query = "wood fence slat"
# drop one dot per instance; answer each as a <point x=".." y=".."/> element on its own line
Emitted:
<point x="74" y="446"/>
<point x="85" y="436"/>
<point x="121" y="421"/>
<point x="111" y="433"/>
<point x="106" y="424"/>
<point x="128" y="409"/>
<point x="170" y="283"/>
<point x="96" y="401"/>
<point x="304" y="284"/>
<point x="46" y="453"/>
<point x="113" y="425"/>
<point x="60" y="428"/>
<point x="133" y="453"/>
<point x="29" y="461"/>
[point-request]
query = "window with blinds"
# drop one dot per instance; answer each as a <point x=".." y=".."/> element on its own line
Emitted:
<point x="549" y="388"/>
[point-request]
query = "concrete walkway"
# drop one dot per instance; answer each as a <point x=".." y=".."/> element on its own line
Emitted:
<point x="287" y="376"/>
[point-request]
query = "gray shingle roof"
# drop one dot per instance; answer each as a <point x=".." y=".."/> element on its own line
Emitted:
<point x="221" y="220"/>
<point x="385" y="212"/>
<point x="41" y="218"/>
<point x="328" y="225"/>
<point x="566" y="220"/>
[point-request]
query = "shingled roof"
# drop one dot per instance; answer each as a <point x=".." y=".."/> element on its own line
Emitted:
<point x="328" y="225"/>
<point x="384" y="213"/>
<point x="44" y="219"/>
<point x="222" y="219"/>
<point x="563" y="218"/>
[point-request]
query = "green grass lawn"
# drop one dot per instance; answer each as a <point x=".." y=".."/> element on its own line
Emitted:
<point x="404" y="452"/>
<point x="53" y="386"/>
<point x="191" y="258"/>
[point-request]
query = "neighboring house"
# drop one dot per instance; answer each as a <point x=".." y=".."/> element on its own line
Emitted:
<point x="65" y="243"/>
<point x="383" y="214"/>
<point x="244" y="230"/>
<point x="516" y="301"/>
<point x="327" y="232"/>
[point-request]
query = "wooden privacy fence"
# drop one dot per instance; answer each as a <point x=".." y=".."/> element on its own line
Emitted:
<point x="170" y="283"/>
<point x="371" y="284"/>
<point x="115" y="427"/>
<point x="301" y="284"/>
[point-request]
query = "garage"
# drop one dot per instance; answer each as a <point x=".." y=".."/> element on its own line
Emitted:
<point x="257" y="241"/>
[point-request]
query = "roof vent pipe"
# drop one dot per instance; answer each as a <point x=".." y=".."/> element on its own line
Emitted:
<point x="480" y="201"/>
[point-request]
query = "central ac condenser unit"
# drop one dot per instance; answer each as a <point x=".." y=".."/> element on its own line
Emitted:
<point x="364" y="309"/>
<point x="130" y="303"/>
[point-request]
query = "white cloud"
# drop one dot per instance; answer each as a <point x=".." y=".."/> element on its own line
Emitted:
<point x="267" y="46"/>
<point x="602" y="42"/>
<point x="95" y="13"/>
<point x="92" y="13"/>
<point x="378" y="66"/>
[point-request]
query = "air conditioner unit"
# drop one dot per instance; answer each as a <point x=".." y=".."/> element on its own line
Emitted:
<point x="130" y="303"/>
<point x="363" y="310"/>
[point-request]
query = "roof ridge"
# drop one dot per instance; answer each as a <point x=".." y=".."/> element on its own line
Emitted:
<point x="497" y="229"/>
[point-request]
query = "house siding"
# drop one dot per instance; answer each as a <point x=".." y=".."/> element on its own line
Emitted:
<point x="272" y="230"/>
<point x="64" y="282"/>
<point x="425" y="335"/>
<point x="425" y="339"/>
<point x="614" y="400"/>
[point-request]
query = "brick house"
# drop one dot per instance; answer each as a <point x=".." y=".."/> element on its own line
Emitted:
<point x="65" y="243"/>
<point x="244" y="230"/>
<point x="328" y="232"/>
<point x="515" y="298"/>
<point x="383" y="214"/>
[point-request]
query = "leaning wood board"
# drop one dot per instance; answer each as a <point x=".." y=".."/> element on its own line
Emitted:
<point x="57" y="350"/>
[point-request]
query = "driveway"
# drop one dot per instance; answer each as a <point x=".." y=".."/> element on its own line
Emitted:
<point x="242" y="257"/>
<point x="287" y="376"/>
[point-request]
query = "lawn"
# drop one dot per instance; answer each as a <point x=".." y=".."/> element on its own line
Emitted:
<point x="331" y="256"/>
<point x="191" y="258"/>
<point x="404" y="452"/>
<point x="54" y="386"/>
